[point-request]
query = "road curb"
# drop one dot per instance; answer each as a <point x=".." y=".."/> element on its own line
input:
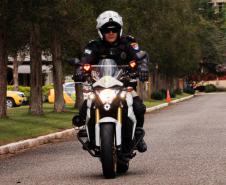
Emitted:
<point x="12" y="148"/>
<point x="167" y="104"/>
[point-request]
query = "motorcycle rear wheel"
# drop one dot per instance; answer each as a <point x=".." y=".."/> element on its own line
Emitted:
<point x="108" y="152"/>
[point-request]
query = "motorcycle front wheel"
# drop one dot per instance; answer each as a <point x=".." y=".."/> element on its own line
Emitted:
<point x="108" y="152"/>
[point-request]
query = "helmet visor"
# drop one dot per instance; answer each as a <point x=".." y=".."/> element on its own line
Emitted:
<point x="110" y="29"/>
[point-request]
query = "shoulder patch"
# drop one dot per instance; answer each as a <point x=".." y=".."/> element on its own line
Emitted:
<point x="131" y="37"/>
<point x="93" y="44"/>
<point x="88" y="51"/>
<point x="91" y="41"/>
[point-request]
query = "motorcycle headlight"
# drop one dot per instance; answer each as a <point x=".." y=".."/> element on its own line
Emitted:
<point x="107" y="95"/>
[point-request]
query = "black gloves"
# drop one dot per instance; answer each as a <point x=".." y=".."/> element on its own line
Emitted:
<point x="79" y="75"/>
<point x="142" y="69"/>
<point x="142" y="72"/>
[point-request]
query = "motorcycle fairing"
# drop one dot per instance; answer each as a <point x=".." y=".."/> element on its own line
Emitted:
<point x="107" y="82"/>
<point x="88" y="115"/>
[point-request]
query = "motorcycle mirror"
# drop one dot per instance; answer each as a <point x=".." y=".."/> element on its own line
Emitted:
<point x="74" y="61"/>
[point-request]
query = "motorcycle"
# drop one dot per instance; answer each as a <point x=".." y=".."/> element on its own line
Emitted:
<point x="110" y="121"/>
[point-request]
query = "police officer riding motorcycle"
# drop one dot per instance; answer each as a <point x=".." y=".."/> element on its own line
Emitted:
<point x="122" y="50"/>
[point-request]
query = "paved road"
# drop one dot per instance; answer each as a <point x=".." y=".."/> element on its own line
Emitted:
<point x="187" y="146"/>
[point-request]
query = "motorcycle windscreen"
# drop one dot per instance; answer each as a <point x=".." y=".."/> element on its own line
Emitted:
<point x="105" y="67"/>
<point x="106" y="73"/>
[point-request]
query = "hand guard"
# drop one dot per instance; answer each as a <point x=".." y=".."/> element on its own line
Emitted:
<point x="143" y="72"/>
<point x="78" y="76"/>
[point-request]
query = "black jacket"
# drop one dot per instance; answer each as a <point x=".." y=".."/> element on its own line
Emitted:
<point x="123" y="51"/>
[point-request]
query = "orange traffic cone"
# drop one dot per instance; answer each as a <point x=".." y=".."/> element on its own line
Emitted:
<point x="168" y="98"/>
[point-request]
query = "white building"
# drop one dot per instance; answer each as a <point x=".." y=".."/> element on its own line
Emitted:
<point x="24" y="69"/>
<point x="218" y="3"/>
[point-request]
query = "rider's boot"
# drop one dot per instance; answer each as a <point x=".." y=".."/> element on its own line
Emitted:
<point x="139" y="136"/>
<point x="142" y="146"/>
<point x="139" y="110"/>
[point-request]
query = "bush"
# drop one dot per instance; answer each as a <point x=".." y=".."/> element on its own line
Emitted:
<point x="45" y="89"/>
<point x="172" y="93"/>
<point x="189" y="90"/>
<point x="45" y="92"/>
<point x="157" y="95"/>
<point x="163" y="91"/>
<point x="9" y="87"/>
<point x="26" y="90"/>
<point x="210" y="88"/>
<point x="178" y="91"/>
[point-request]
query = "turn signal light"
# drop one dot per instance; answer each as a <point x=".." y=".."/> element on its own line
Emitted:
<point x="133" y="64"/>
<point x="87" y="67"/>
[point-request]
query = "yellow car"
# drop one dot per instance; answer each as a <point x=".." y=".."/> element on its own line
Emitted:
<point x="68" y="99"/>
<point x="15" y="98"/>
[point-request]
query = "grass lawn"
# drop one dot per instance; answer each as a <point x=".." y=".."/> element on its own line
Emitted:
<point x="20" y="125"/>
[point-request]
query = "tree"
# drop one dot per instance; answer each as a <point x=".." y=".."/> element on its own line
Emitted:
<point x="18" y="38"/>
<point x="25" y="21"/>
<point x="3" y="57"/>
<point x="36" y="71"/>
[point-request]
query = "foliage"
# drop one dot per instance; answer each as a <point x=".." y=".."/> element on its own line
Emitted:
<point x="189" y="90"/>
<point x="26" y="90"/>
<point x="45" y="90"/>
<point x="176" y="34"/>
<point x="172" y="93"/>
<point x="178" y="91"/>
<point x="164" y="93"/>
<point x="157" y="95"/>
<point x="210" y="88"/>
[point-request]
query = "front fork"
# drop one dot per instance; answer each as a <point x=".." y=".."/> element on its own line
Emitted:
<point x="119" y="115"/>
<point x="118" y="126"/>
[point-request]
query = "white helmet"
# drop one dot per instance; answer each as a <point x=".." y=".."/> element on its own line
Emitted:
<point x="109" y="17"/>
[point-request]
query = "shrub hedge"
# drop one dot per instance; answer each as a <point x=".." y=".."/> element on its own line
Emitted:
<point x="162" y="94"/>
<point x="157" y="95"/>
<point x="178" y="91"/>
<point x="210" y="88"/>
<point x="189" y="90"/>
<point x="26" y="90"/>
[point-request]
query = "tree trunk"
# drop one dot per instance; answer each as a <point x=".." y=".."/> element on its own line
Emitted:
<point x="57" y="74"/>
<point x="36" y="72"/>
<point x="79" y="95"/>
<point x="3" y="61"/>
<point x="15" y="73"/>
